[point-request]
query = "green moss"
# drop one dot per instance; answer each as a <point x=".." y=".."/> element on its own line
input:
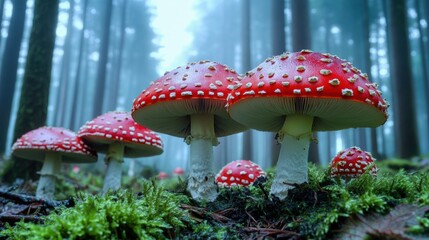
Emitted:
<point x="314" y="210"/>
<point x="153" y="214"/>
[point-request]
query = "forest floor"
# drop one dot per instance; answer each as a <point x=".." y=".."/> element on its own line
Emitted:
<point x="394" y="205"/>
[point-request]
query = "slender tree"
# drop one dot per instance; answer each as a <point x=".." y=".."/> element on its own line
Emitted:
<point x="246" y="66"/>
<point x="406" y="144"/>
<point x="366" y="26"/>
<point x="1" y="17"/>
<point x="278" y="43"/>
<point x="77" y="81"/>
<point x="114" y="90"/>
<point x="102" y="61"/>
<point x="61" y="101"/>
<point x="33" y="102"/>
<point x="424" y="55"/>
<point x="9" y="67"/>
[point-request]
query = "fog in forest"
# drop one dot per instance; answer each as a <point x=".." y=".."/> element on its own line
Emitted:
<point x="108" y="51"/>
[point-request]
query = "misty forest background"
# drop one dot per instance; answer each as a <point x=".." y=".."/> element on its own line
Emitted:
<point x="105" y="52"/>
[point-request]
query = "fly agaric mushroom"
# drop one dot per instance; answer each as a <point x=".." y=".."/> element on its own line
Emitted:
<point x="178" y="171"/>
<point x="295" y="94"/>
<point x="239" y="173"/>
<point x="189" y="102"/>
<point x="162" y="175"/>
<point x="352" y="162"/>
<point x="117" y="135"/>
<point x="52" y="146"/>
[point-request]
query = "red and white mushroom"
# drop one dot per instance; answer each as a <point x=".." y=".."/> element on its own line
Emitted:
<point x="189" y="102"/>
<point x="178" y="171"/>
<point x="162" y="175"/>
<point x="119" y="136"/>
<point x="353" y="162"/>
<point x="52" y="146"/>
<point x="239" y="173"/>
<point x="295" y="94"/>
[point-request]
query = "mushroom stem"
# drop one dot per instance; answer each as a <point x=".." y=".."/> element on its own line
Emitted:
<point x="292" y="165"/>
<point x="114" y="159"/>
<point x="201" y="183"/>
<point x="48" y="175"/>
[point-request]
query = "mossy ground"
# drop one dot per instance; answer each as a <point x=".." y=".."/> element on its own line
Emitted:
<point x="323" y="208"/>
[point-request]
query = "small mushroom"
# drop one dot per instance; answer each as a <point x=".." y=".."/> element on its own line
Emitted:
<point x="162" y="175"/>
<point x="178" y="171"/>
<point x="52" y="146"/>
<point x="239" y="173"/>
<point x="352" y="162"/>
<point x="117" y="135"/>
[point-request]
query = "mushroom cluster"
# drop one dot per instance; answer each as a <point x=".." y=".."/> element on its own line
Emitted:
<point x="295" y="94"/>
<point x="352" y="162"/>
<point x="119" y="136"/>
<point x="239" y="173"/>
<point x="52" y="146"/>
<point x="189" y="102"/>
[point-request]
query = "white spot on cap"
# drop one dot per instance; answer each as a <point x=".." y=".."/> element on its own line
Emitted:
<point x="173" y="95"/>
<point x="186" y="93"/>
<point x="200" y="93"/>
<point x="347" y="92"/>
<point x="334" y="82"/>
<point x="297" y="91"/>
<point x="313" y="79"/>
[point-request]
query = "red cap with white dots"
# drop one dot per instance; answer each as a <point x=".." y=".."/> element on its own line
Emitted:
<point x="239" y="173"/>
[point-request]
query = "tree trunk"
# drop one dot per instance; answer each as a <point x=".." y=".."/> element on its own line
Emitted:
<point x="424" y="50"/>
<point x="406" y="142"/>
<point x="102" y="62"/>
<point x="114" y="90"/>
<point x="246" y="66"/>
<point x="278" y="40"/>
<point x="1" y="18"/>
<point x="33" y="103"/>
<point x="9" y="68"/>
<point x="77" y="82"/>
<point x="63" y="93"/>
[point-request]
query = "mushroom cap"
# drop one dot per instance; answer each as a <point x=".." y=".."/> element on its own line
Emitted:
<point x="112" y="127"/>
<point x="178" y="171"/>
<point x="239" y="173"/>
<point x="202" y="87"/>
<point x="35" y="144"/>
<point x="162" y="175"/>
<point x="324" y="86"/>
<point x="352" y="162"/>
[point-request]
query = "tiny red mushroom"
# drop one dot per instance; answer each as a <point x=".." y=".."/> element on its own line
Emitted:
<point x="119" y="136"/>
<point x="162" y="175"/>
<point x="52" y="146"/>
<point x="295" y="94"/>
<point x="189" y="102"/>
<point x="353" y="162"/>
<point x="239" y="173"/>
<point x="178" y="171"/>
